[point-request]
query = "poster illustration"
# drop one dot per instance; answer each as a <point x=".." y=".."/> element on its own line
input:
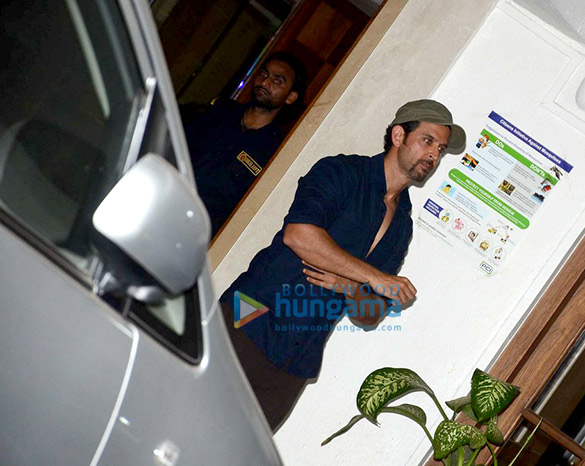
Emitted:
<point x="493" y="190"/>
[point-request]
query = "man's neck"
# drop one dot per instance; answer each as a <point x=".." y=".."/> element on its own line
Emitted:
<point x="396" y="181"/>
<point x="257" y="117"/>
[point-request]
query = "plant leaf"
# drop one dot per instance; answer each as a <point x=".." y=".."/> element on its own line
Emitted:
<point x="457" y="403"/>
<point x="453" y="457"/>
<point x="493" y="433"/>
<point x="410" y="411"/>
<point x="468" y="411"/>
<point x="451" y="435"/>
<point x="385" y="385"/>
<point x="344" y="429"/>
<point x="490" y="396"/>
<point x="462" y="405"/>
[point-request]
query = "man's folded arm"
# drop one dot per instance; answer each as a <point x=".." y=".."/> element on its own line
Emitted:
<point x="314" y="245"/>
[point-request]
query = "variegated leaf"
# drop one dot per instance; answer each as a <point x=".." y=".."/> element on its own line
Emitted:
<point x="490" y="396"/>
<point x="451" y="435"/>
<point x="457" y="403"/>
<point x="385" y="385"/>
<point x="452" y="459"/>
<point x="493" y="433"/>
<point x="462" y="405"/>
<point x="410" y="411"/>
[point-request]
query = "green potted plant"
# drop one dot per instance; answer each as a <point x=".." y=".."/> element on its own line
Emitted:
<point x="454" y="442"/>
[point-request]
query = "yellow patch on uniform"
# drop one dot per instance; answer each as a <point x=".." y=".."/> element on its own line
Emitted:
<point x="249" y="163"/>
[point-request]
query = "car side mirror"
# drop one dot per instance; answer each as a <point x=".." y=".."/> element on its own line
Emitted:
<point x="155" y="217"/>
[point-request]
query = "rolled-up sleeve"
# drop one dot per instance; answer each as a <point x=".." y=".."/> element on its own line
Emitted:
<point x="322" y="193"/>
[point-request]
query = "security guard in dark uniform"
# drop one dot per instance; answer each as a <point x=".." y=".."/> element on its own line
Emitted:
<point x="231" y="144"/>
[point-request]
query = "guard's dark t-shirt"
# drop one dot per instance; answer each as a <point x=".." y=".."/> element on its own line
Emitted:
<point x="226" y="158"/>
<point x="345" y="196"/>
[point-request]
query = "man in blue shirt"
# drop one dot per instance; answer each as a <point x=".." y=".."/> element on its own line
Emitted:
<point x="231" y="143"/>
<point x="339" y="251"/>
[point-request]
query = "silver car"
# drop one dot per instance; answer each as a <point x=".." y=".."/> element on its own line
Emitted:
<point x="112" y="349"/>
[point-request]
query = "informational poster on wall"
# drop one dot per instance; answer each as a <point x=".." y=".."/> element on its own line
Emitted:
<point x="493" y="191"/>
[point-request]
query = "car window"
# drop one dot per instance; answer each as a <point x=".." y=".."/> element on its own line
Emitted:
<point x="76" y="113"/>
<point x="71" y="95"/>
<point x="176" y="323"/>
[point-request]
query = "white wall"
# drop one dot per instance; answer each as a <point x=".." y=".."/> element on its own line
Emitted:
<point x="566" y="15"/>
<point x="461" y="317"/>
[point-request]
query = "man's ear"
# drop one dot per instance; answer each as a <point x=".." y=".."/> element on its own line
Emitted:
<point x="398" y="135"/>
<point x="292" y="97"/>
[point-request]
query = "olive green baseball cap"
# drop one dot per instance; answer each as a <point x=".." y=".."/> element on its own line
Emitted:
<point x="432" y="111"/>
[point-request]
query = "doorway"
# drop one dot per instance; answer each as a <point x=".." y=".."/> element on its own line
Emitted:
<point x="214" y="47"/>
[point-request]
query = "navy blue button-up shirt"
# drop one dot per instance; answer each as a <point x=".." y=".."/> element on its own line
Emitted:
<point x="226" y="159"/>
<point x="345" y="196"/>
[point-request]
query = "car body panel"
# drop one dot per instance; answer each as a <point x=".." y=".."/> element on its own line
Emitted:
<point x="207" y="429"/>
<point x="63" y="354"/>
<point x="83" y="382"/>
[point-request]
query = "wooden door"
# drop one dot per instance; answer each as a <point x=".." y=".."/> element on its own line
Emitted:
<point x="320" y="33"/>
<point x="207" y="43"/>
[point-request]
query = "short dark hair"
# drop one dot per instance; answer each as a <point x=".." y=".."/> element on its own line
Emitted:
<point x="300" y="79"/>
<point x="408" y="127"/>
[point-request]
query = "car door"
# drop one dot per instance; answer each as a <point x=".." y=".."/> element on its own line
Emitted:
<point x="71" y="102"/>
<point x="93" y="371"/>
<point x="187" y="401"/>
